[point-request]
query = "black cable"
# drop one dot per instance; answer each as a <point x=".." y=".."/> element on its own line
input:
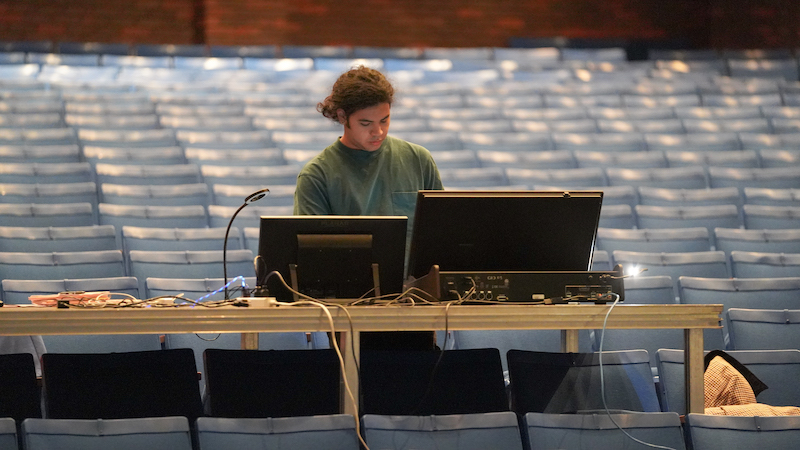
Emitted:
<point x="254" y="197"/>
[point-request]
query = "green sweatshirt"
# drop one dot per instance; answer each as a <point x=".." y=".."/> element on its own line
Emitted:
<point x="345" y="181"/>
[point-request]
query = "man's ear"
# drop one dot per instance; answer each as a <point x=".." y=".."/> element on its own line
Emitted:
<point x="341" y="116"/>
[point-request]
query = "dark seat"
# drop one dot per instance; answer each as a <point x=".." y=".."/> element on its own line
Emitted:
<point x="271" y="383"/>
<point x="19" y="392"/>
<point x="398" y="382"/>
<point x="121" y="385"/>
<point x="562" y="383"/>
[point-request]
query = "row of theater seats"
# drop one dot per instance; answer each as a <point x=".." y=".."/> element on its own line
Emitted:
<point x="753" y="217"/>
<point x="470" y="432"/>
<point x="109" y="68"/>
<point x="431" y="112"/>
<point x="646" y="240"/>
<point x="108" y="157"/>
<point x="255" y="385"/>
<point x="548" y="117"/>
<point x="540" y="135"/>
<point x="686" y="176"/>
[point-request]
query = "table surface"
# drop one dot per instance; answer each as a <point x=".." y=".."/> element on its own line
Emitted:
<point x="32" y="320"/>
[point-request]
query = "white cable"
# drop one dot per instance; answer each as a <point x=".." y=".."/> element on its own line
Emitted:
<point x="603" y="384"/>
<point x="341" y="364"/>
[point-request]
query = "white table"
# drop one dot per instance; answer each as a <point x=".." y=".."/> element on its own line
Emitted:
<point x="570" y="319"/>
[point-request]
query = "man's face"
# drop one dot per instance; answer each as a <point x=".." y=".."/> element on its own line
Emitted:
<point x="366" y="128"/>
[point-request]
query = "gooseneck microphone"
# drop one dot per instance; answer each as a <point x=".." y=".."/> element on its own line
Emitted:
<point x="254" y="197"/>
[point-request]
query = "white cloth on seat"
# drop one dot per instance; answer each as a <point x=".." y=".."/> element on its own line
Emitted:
<point x="24" y="344"/>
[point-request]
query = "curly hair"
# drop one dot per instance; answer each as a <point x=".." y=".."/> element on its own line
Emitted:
<point x="356" y="89"/>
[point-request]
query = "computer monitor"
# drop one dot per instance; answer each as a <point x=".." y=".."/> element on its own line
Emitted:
<point x="504" y="231"/>
<point x="327" y="257"/>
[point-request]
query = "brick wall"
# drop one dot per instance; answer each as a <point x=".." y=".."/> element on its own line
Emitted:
<point x="719" y="23"/>
<point x="139" y="21"/>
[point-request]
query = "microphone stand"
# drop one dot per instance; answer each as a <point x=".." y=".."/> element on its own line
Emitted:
<point x="254" y="197"/>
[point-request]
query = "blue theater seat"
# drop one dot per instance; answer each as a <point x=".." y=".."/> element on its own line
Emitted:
<point x="333" y="432"/>
<point x="764" y="329"/>
<point x="599" y="431"/>
<point x="458" y="432"/>
<point x="713" y="432"/>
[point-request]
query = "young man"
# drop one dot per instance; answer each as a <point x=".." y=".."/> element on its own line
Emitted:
<point x="366" y="172"/>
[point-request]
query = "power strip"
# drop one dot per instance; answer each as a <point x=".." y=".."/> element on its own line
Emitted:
<point x="260" y="302"/>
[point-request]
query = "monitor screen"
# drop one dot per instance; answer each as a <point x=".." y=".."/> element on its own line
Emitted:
<point x="504" y="231"/>
<point x="329" y="257"/>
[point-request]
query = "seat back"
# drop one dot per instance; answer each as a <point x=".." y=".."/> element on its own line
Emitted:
<point x="285" y="174"/>
<point x="127" y="138"/>
<point x="155" y="195"/>
<point x="774" y="178"/>
<point x="713" y="432"/>
<point x="688" y="197"/>
<point x="474" y="177"/>
<point x="599" y="431"/>
<point x="776" y="368"/>
<point x="617" y="216"/>
<point x="762" y="293"/>
<point x="763" y="329"/>
<point x="710" y="264"/>
<point x="709" y="216"/>
<point x="137" y="174"/>
<point x="585" y="177"/>
<point x="19" y="391"/>
<point x="120" y="434"/>
<point x="193" y="216"/>
<point x="650" y="290"/>
<point x="764" y="265"/>
<point x="156" y="383"/>
<point x="234" y="195"/>
<point x="8" y="434"/>
<point x="125" y="156"/>
<point x="690" y="177"/>
<point x="654" y="240"/>
<point x="432" y="382"/>
<point x="272" y="383"/>
<point x="55" y="193"/>
<point x="188" y="264"/>
<point x="174" y="239"/>
<point x="57" y="215"/>
<point x="61" y="265"/>
<point x="764" y="240"/>
<point x="334" y="432"/>
<point x="460" y="432"/>
<point x="241" y="157"/>
<point x="77" y="172"/>
<point x="42" y="154"/>
<point x="569" y="382"/>
<point x="772" y="197"/>
<point x="220" y="216"/>
<point x="58" y="239"/>
<point x="768" y="216"/>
